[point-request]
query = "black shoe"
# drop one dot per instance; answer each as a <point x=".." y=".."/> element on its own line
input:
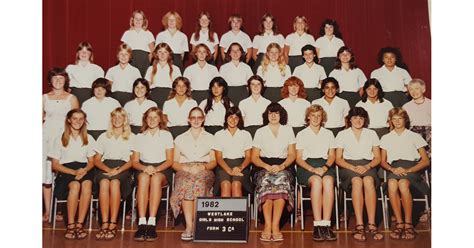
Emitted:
<point x="317" y="234"/>
<point x="140" y="234"/>
<point x="328" y="233"/>
<point x="151" y="233"/>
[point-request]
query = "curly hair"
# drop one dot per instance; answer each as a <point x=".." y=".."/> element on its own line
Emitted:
<point x="293" y="80"/>
<point x="272" y="108"/>
<point x="281" y="59"/>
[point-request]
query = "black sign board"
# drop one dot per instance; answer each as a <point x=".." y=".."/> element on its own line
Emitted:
<point x="222" y="220"/>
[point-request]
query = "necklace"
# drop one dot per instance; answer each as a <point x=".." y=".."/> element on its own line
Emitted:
<point x="420" y="102"/>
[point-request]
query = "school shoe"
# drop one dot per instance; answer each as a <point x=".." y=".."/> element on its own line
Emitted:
<point x="317" y="235"/>
<point x="328" y="233"/>
<point x="150" y="233"/>
<point x="140" y="234"/>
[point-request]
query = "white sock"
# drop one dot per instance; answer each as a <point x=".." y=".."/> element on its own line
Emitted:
<point x="326" y="223"/>
<point x="152" y="221"/>
<point x="142" y="221"/>
<point x="318" y="223"/>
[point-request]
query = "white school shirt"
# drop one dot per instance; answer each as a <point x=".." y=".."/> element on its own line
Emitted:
<point x="404" y="146"/>
<point x="233" y="146"/>
<point x="252" y="110"/>
<point x="152" y="148"/>
<point x="178" y="42"/>
<point x="350" y="81"/>
<point x="261" y="42"/>
<point x="138" y="40"/>
<point x="378" y="112"/>
<point x="178" y="116"/>
<point x="296" y="110"/>
<point x="394" y="80"/>
<point x="200" y="77"/>
<point x="310" y="75"/>
<point x="235" y="75"/>
<point x="271" y="146"/>
<point x="315" y="145"/>
<point x="273" y="76"/>
<point x="216" y="115"/>
<point x="336" y="111"/>
<point x="136" y="110"/>
<point x="204" y="39"/>
<point x="354" y="149"/>
<point x="162" y="77"/>
<point x="74" y="152"/>
<point x="419" y="114"/>
<point x="122" y="79"/>
<point x="328" y="48"/>
<point x="296" y="42"/>
<point x="241" y="37"/>
<point x="194" y="150"/>
<point x="83" y="76"/>
<point x="98" y="112"/>
<point x="115" y="148"/>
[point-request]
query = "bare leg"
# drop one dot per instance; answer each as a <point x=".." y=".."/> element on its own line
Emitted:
<point x="278" y="206"/>
<point x="267" y="208"/>
<point x="395" y="199"/>
<point x="236" y="189"/>
<point x="114" y="199"/>
<point x="86" y="191"/>
<point x="188" y="211"/>
<point x="72" y="201"/>
<point x="370" y="198"/>
<point x="142" y="194"/>
<point x="328" y="197"/>
<point x="47" y="194"/>
<point x="407" y="200"/>
<point x="225" y="188"/>
<point x="156" y="182"/>
<point x="316" y="186"/>
<point x="357" y="199"/>
<point x="104" y="199"/>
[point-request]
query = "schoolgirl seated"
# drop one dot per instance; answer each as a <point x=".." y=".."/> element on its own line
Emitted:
<point x="139" y="105"/>
<point x="233" y="147"/>
<point x="72" y="157"/>
<point x="294" y="102"/>
<point x="98" y="108"/>
<point x="216" y="105"/>
<point x="253" y="106"/>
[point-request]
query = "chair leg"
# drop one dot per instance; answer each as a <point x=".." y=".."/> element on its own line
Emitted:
<point x="384" y="207"/>
<point x="54" y="212"/>
<point x="302" y="208"/>
<point x="123" y="214"/>
<point x="90" y="215"/>
<point x="255" y="206"/>
<point x="167" y="206"/>
<point x="345" y="210"/>
<point x="133" y="207"/>
<point x="427" y="208"/>
<point x="337" y="208"/>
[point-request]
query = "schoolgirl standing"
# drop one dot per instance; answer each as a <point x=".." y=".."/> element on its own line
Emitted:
<point x="139" y="105"/>
<point x="140" y="40"/>
<point x="204" y="34"/>
<point x="310" y="73"/>
<point x="235" y="34"/>
<point x="83" y="72"/>
<point x="122" y="76"/>
<point x="297" y="40"/>
<point x="268" y="33"/>
<point x="328" y="43"/>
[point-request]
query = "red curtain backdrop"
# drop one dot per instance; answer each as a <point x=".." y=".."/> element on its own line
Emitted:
<point x="366" y="26"/>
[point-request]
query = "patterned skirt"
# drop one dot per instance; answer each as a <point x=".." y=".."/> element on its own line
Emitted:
<point x="425" y="132"/>
<point x="188" y="186"/>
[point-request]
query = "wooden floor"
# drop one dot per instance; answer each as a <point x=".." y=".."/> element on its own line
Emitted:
<point x="170" y="238"/>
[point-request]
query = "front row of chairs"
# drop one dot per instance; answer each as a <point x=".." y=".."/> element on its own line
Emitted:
<point x="300" y="190"/>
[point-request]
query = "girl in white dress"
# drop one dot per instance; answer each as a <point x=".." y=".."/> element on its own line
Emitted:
<point x="141" y="40"/>
<point x="274" y="71"/>
<point x="268" y="33"/>
<point x="56" y="104"/>
<point x="204" y="33"/>
<point x="139" y="105"/>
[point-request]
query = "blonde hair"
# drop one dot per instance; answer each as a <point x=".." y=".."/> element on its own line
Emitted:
<point x="400" y="112"/>
<point x="303" y="18"/>
<point x="196" y="48"/>
<point x="281" y="59"/>
<point x="127" y="48"/>
<point x="125" y="127"/>
<point x="145" y="20"/>
<point x="313" y="109"/>
<point x="417" y="81"/>
<point x="67" y="128"/>
<point x="159" y="112"/>
<point x="179" y="20"/>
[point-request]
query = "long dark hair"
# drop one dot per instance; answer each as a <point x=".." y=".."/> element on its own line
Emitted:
<point x="338" y="64"/>
<point x="333" y="23"/>
<point x="376" y="83"/>
<point x="275" y="107"/>
<point x="210" y="99"/>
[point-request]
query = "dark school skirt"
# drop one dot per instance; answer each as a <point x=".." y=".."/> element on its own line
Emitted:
<point x="276" y="186"/>
<point x="273" y="94"/>
<point x="327" y="63"/>
<point x="397" y="98"/>
<point x="200" y="95"/>
<point x="213" y="129"/>
<point x="122" y="97"/>
<point x="313" y="94"/>
<point x="141" y="61"/>
<point x="335" y="130"/>
<point x="135" y="129"/>
<point x="303" y="175"/>
<point x="351" y="97"/>
<point x="159" y="95"/>
<point x="177" y="130"/>
<point x="252" y="129"/>
<point x="294" y="61"/>
<point x="178" y="61"/>
<point x="124" y="177"/>
<point x="237" y="94"/>
<point x="296" y="130"/>
<point x="61" y="187"/>
<point x="168" y="173"/>
<point x="381" y="131"/>
<point x="95" y="133"/>
<point x="414" y="177"/>
<point x="221" y="175"/>
<point x="425" y="132"/>
<point x="347" y="175"/>
<point x="257" y="62"/>
<point x="82" y="94"/>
